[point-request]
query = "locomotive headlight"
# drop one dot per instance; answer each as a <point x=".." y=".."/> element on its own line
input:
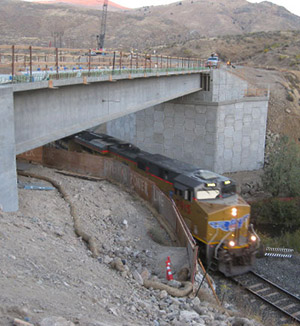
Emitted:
<point x="253" y="238"/>
<point x="231" y="243"/>
<point x="234" y="211"/>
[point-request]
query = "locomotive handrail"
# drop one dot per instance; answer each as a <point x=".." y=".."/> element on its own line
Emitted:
<point x="220" y="243"/>
<point x="211" y="240"/>
<point x="258" y="238"/>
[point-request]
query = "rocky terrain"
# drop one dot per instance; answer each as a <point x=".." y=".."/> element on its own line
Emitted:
<point x="49" y="277"/>
<point x="284" y="109"/>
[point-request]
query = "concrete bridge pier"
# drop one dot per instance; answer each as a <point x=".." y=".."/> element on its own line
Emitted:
<point x="8" y="180"/>
<point x="218" y="128"/>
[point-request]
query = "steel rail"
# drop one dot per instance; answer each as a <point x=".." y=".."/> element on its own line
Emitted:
<point x="277" y="288"/>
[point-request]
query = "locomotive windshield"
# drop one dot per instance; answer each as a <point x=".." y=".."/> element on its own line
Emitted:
<point x="207" y="194"/>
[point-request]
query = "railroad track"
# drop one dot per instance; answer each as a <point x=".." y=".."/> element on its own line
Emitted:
<point x="270" y="293"/>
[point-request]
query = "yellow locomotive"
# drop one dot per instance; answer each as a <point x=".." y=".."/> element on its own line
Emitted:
<point x="218" y="218"/>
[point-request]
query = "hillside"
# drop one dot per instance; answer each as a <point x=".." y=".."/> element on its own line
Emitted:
<point x="86" y="3"/>
<point x="34" y="23"/>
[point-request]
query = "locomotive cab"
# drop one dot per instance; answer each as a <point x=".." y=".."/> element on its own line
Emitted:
<point x="218" y="219"/>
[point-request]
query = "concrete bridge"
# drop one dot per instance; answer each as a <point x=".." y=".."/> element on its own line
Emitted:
<point x="204" y="116"/>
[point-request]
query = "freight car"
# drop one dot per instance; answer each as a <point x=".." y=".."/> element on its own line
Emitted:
<point x="218" y="218"/>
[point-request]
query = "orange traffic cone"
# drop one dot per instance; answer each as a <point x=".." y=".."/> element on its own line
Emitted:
<point x="169" y="275"/>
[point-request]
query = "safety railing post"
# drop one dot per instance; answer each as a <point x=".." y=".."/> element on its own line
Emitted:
<point x="12" y="63"/>
<point x="156" y="62"/>
<point x="120" y="62"/>
<point x="131" y="55"/>
<point x="161" y="62"/>
<point x="90" y="52"/>
<point x="30" y="63"/>
<point x="114" y="62"/>
<point x="145" y="63"/>
<point x="56" y="63"/>
<point x="137" y="61"/>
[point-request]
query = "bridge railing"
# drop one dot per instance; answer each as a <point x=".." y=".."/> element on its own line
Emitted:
<point x="20" y="63"/>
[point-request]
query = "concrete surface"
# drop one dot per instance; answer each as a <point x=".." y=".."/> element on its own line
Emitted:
<point x="8" y="176"/>
<point x="220" y="129"/>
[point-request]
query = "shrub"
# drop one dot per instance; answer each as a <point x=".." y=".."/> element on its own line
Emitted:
<point x="282" y="173"/>
<point x="282" y="57"/>
<point x="275" y="45"/>
<point x="285" y="240"/>
<point x="276" y="215"/>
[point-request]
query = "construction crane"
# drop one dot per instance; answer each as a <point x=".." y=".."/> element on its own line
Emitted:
<point x="101" y="36"/>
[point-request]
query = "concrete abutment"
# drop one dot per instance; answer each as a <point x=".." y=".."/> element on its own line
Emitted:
<point x="219" y="129"/>
<point x="8" y="174"/>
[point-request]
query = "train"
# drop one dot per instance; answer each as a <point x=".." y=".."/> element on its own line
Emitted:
<point x="216" y="215"/>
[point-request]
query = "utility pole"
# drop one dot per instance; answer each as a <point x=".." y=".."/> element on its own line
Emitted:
<point x="101" y="36"/>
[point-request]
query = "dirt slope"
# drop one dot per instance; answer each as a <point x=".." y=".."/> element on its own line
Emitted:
<point x="46" y="270"/>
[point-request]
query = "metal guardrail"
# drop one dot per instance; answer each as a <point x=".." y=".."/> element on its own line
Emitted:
<point x="22" y="64"/>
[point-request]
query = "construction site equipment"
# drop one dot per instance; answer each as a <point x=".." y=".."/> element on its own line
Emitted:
<point x="101" y="36"/>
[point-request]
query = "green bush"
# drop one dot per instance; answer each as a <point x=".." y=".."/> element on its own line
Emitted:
<point x="275" y="45"/>
<point x="285" y="240"/>
<point x="282" y="173"/>
<point x="282" y="57"/>
<point x="276" y="215"/>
